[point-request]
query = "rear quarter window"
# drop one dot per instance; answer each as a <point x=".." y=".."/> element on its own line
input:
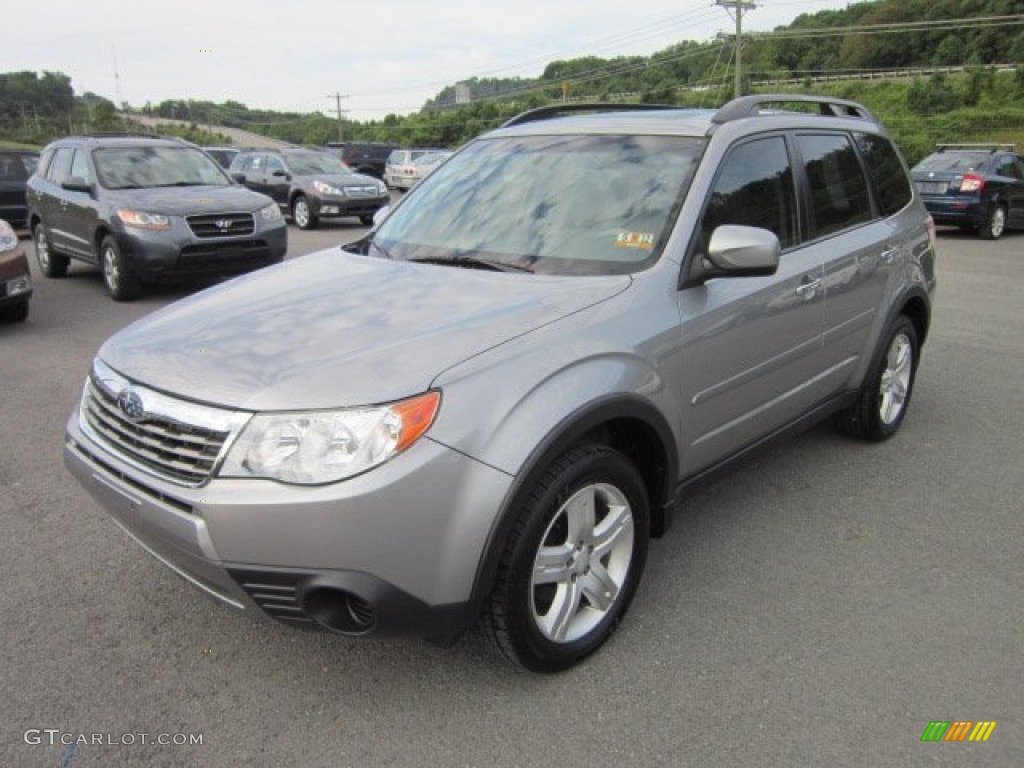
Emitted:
<point x="888" y="177"/>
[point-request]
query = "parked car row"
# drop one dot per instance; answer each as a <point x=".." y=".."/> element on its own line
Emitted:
<point x="146" y="209"/>
<point x="310" y="184"/>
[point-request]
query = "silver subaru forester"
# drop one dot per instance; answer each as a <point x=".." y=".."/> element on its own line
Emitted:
<point x="483" y="410"/>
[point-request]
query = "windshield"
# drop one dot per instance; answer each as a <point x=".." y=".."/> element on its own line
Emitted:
<point x="431" y="158"/>
<point x="550" y="204"/>
<point x="953" y="162"/>
<point x="309" y="163"/>
<point x="140" y="167"/>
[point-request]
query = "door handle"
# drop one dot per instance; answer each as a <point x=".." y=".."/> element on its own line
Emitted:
<point x="808" y="288"/>
<point x="889" y="255"/>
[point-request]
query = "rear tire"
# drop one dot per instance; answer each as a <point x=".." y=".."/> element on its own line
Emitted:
<point x="572" y="562"/>
<point x="121" y="285"/>
<point x="995" y="223"/>
<point x="885" y="394"/>
<point x="50" y="264"/>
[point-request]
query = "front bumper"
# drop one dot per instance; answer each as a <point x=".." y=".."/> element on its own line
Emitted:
<point x="15" y="280"/>
<point x="177" y="253"/>
<point x="392" y="551"/>
<point x="331" y="206"/>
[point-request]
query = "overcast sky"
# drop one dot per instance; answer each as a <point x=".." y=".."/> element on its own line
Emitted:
<point x="385" y="55"/>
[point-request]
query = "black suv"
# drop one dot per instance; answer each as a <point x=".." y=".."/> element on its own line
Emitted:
<point x="973" y="186"/>
<point x="366" y="157"/>
<point x="16" y="165"/>
<point x="310" y="184"/>
<point x="146" y="209"/>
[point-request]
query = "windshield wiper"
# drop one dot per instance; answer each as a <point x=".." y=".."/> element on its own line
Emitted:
<point x="472" y="262"/>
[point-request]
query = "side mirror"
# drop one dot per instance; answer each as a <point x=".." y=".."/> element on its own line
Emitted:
<point x="239" y="177"/>
<point x="76" y="184"/>
<point x="738" y="251"/>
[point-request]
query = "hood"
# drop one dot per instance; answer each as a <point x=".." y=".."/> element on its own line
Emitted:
<point x="333" y="329"/>
<point x="188" y="201"/>
<point x="346" y="180"/>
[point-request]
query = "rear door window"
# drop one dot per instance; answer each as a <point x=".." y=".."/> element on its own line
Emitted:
<point x="58" y="169"/>
<point x="838" y="189"/>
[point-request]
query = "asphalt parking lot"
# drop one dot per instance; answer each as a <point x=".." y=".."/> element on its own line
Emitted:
<point x="817" y="607"/>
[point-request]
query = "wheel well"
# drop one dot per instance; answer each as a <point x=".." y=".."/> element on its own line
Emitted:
<point x="917" y="313"/>
<point x="641" y="444"/>
<point x="97" y="239"/>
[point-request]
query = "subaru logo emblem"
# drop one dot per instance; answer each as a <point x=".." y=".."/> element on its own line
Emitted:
<point x="131" y="404"/>
<point x="223" y="223"/>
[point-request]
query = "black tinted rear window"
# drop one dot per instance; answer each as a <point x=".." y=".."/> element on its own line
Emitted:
<point x="953" y="162"/>
<point x="892" y="187"/>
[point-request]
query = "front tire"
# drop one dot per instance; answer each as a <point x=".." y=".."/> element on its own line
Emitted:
<point x="302" y="214"/>
<point x="121" y="285"/>
<point x="50" y="264"/>
<point x="572" y="562"/>
<point x="995" y="223"/>
<point x="885" y="395"/>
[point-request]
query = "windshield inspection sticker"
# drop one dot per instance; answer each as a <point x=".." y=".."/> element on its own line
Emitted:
<point x="634" y="240"/>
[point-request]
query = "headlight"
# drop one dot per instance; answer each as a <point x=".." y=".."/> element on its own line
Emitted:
<point x="326" y="446"/>
<point x="271" y="213"/>
<point x="381" y="188"/>
<point x="326" y="189"/>
<point x="8" y="239"/>
<point x="143" y="220"/>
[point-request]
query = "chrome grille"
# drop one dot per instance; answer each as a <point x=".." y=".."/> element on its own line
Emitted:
<point x="173" y="439"/>
<point x="367" y="190"/>
<point x="221" y="224"/>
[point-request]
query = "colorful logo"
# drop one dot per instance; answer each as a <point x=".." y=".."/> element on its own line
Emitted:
<point x="958" y="730"/>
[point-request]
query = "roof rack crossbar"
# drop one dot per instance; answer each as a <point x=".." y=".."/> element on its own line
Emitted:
<point x="554" y="110"/>
<point x="750" y="106"/>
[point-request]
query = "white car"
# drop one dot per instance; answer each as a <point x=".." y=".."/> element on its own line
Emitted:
<point x="399" y="172"/>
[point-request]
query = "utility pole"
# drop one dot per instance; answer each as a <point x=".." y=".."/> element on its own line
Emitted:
<point x="338" y="96"/>
<point x="739" y="6"/>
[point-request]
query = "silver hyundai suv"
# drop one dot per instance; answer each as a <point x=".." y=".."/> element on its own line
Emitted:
<point x="485" y="409"/>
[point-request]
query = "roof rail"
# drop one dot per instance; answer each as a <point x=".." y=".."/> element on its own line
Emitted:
<point x="554" y="110"/>
<point x="121" y="135"/>
<point x="990" y="146"/>
<point x="750" y="106"/>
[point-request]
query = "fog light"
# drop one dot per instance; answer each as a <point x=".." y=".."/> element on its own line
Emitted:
<point x="19" y="285"/>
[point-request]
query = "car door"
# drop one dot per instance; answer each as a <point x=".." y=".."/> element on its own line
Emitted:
<point x="78" y="216"/>
<point x="277" y="180"/>
<point x="751" y="346"/>
<point x="858" y="247"/>
<point x="49" y="198"/>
